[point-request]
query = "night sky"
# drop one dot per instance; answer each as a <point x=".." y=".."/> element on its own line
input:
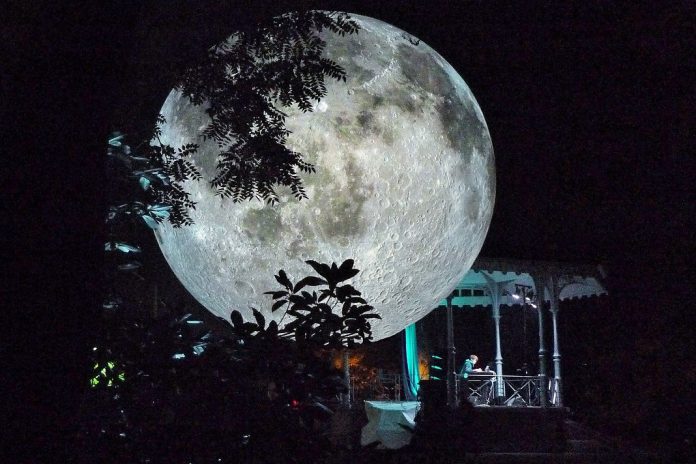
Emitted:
<point x="590" y="106"/>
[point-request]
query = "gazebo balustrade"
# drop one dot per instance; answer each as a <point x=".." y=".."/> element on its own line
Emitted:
<point x="521" y="390"/>
<point x="479" y="390"/>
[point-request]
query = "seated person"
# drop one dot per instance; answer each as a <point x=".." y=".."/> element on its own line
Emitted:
<point x="468" y="367"/>
<point x="479" y="394"/>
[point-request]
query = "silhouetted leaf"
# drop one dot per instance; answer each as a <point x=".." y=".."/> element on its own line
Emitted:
<point x="297" y="299"/>
<point x="291" y="326"/>
<point x="283" y="280"/>
<point x="324" y="307"/>
<point x="260" y="320"/>
<point x="236" y="318"/>
<point x="310" y="280"/>
<point x="346" y="274"/>
<point x="363" y="309"/>
<point x="296" y="314"/>
<point x="345" y="308"/>
<point x="250" y="327"/>
<point x="347" y="264"/>
<point x="308" y="297"/>
<point x="345" y="291"/>
<point x="321" y="269"/>
<point x="324" y="294"/>
<point x="278" y="304"/>
<point x="272" y="330"/>
<point x="277" y="295"/>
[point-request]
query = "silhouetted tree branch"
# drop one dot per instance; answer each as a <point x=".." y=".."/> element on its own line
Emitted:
<point x="150" y="181"/>
<point x="244" y="80"/>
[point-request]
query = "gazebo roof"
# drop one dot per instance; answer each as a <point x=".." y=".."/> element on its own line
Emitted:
<point x="573" y="280"/>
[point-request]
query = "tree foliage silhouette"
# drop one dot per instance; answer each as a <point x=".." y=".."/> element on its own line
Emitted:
<point x="244" y="80"/>
<point x="335" y="317"/>
<point x="150" y="179"/>
<point x="164" y="390"/>
<point x="151" y="376"/>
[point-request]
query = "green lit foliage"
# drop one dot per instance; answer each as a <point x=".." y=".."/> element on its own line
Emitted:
<point x="107" y="374"/>
<point x="244" y="79"/>
<point x="146" y="373"/>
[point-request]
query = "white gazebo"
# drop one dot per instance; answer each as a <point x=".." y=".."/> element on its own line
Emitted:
<point x="540" y="284"/>
<point x="493" y="283"/>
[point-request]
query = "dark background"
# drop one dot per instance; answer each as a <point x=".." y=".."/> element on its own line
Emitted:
<point x="590" y="109"/>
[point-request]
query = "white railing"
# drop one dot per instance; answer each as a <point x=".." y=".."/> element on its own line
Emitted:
<point x="478" y="389"/>
<point x="506" y="390"/>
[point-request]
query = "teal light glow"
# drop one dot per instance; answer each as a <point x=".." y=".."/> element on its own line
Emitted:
<point x="115" y="139"/>
<point x="412" y="380"/>
<point x="436" y="364"/>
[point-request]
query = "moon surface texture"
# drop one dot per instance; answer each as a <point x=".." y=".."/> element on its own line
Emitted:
<point x="405" y="186"/>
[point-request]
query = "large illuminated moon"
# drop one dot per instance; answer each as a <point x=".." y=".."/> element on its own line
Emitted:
<point x="405" y="186"/>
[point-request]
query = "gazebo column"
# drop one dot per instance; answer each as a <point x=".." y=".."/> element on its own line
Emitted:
<point x="553" y="307"/>
<point x="539" y="283"/>
<point x="496" y="290"/>
<point x="452" y="400"/>
<point x="500" y="385"/>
